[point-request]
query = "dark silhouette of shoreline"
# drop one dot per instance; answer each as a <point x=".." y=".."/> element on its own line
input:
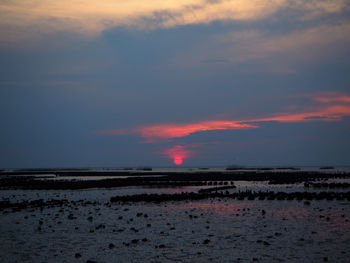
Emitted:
<point x="16" y="180"/>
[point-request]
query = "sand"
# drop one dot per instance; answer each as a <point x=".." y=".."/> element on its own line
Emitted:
<point x="209" y="230"/>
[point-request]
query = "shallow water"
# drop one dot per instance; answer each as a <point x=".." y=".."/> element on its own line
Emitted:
<point x="104" y="195"/>
<point x="237" y="231"/>
<point x="211" y="230"/>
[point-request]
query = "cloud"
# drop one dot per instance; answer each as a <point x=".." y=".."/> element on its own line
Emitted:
<point x="329" y="97"/>
<point x="316" y="8"/>
<point x="334" y="106"/>
<point x="169" y="131"/>
<point x="281" y="53"/>
<point x="21" y="19"/>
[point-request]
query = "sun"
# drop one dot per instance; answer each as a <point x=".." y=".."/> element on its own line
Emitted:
<point x="177" y="160"/>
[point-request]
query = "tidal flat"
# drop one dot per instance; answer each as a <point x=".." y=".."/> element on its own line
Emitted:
<point x="224" y="225"/>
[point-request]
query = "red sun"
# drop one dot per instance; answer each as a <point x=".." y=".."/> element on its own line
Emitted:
<point x="178" y="160"/>
<point x="178" y="153"/>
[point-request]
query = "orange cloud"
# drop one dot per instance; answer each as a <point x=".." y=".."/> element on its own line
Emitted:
<point x="330" y="97"/>
<point x="28" y="18"/>
<point x="161" y="132"/>
<point x="332" y="113"/>
<point x="167" y="131"/>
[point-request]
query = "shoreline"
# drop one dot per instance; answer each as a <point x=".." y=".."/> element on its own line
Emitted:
<point x="122" y="179"/>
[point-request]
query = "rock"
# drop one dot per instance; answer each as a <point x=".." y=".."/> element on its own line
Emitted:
<point x="100" y="226"/>
<point x="71" y="217"/>
<point x="77" y="255"/>
<point x="207" y="241"/>
<point x="134" y="241"/>
<point x="111" y="246"/>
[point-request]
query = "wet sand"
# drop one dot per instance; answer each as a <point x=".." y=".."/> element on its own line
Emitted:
<point x="212" y="222"/>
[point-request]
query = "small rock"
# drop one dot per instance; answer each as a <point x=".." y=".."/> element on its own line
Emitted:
<point x="207" y="241"/>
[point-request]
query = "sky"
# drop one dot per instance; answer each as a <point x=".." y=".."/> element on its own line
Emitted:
<point x="165" y="83"/>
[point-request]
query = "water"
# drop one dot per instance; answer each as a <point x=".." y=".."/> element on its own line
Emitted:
<point x="210" y="230"/>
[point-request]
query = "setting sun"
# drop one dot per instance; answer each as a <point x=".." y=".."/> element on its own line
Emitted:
<point x="178" y="153"/>
<point x="178" y="160"/>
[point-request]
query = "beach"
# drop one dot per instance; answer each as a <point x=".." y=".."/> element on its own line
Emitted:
<point x="232" y="224"/>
